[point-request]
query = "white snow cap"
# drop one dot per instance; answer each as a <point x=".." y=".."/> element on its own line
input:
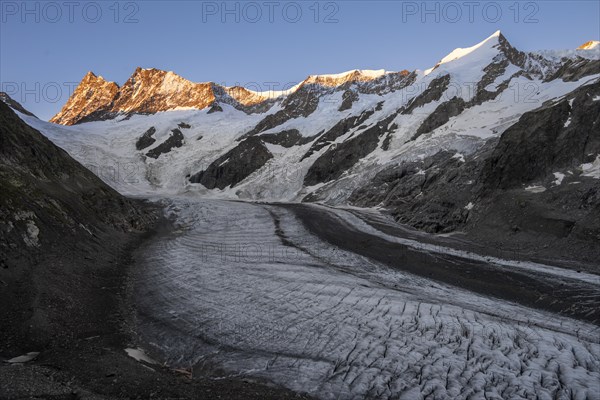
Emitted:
<point x="592" y="44"/>
<point x="460" y="52"/>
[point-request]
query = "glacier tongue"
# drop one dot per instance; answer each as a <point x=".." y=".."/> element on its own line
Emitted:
<point x="245" y="287"/>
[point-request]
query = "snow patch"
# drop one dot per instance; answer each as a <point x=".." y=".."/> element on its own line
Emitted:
<point x="567" y="123"/>
<point x="559" y="178"/>
<point x="592" y="169"/>
<point x="31" y="239"/>
<point x="24" y="358"/>
<point x="140" y="355"/>
<point x="459" y="157"/>
<point x="535" y="189"/>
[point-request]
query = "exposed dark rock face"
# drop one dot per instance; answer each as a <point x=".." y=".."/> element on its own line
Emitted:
<point x="15" y="105"/>
<point x="339" y="129"/>
<point x="173" y="141"/>
<point x="184" y="125"/>
<point x="146" y="140"/>
<point x="529" y="62"/>
<point x="430" y="195"/>
<point x="99" y="115"/>
<point x="301" y="103"/>
<point x="565" y="69"/>
<point x="573" y="70"/>
<point x="492" y="72"/>
<point x="441" y="115"/>
<point x="55" y="216"/>
<point x="348" y="98"/>
<point x="215" y="108"/>
<point x="542" y="142"/>
<point x="434" y="92"/>
<point x="289" y="138"/>
<point x="387" y="83"/>
<point x="234" y="166"/>
<point x="339" y="158"/>
<point x="385" y="145"/>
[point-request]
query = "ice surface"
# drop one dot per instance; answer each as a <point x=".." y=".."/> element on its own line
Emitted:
<point x="244" y="286"/>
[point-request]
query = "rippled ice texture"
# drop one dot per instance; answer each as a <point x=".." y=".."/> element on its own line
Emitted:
<point x="244" y="287"/>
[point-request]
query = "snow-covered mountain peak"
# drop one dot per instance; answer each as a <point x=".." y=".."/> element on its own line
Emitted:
<point x="592" y="44"/>
<point x="355" y="75"/>
<point x="484" y="50"/>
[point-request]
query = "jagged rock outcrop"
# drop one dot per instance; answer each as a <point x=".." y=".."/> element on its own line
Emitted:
<point x="15" y="105"/>
<point x="92" y="99"/>
<point x="147" y="91"/>
<point x="301" y="103"/>
<point x="287" y="139"/>
<point x="430" y="195"/>
<point x="348" y="98"/>
<point x="146" y="140"/>
<point x="215" y="108"/>
<point x="234" y="166"/>
<point x="560" y="134"/>
<point x="174" y="140"/>
<point x="339" y="129"/>
<point x="441" y="115"/>
<point x="339" y="158"/>
<point x="434" y="92"/>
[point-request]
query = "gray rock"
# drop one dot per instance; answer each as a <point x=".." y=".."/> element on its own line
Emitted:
<point x="173" y="141"/>
<point x="341" y="128"/>
<point x="289" y="138"/>
<point x="339" y="158"/>
<point x="301" y="103"/>
<point x="146" y="140"/>
<point x="434" y="92"/>
<point x="540" y="143"/>
<point x="215" y="108"/>
<point x="441" y="115"/>
<point x="234" y="166"/>
<point x="348" y="98"/>
<point x="430" y="195"/>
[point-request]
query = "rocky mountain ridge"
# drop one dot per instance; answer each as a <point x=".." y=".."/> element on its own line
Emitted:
<point x="152" y="90"/>
<point x="148" y="91"/>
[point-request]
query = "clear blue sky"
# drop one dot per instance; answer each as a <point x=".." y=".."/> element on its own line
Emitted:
<point x="51" y="45"/>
